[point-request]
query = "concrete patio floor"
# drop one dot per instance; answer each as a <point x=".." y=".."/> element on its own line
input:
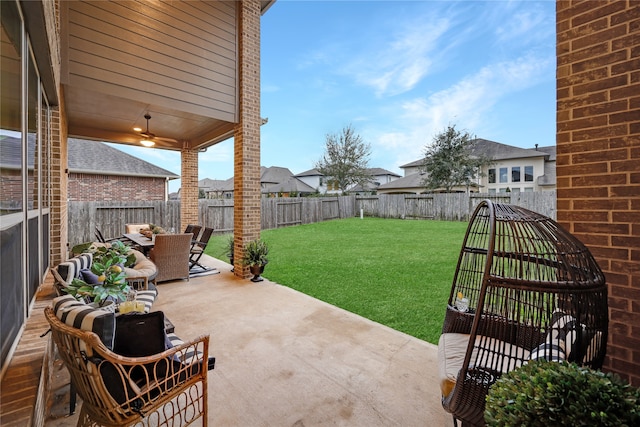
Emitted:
<point x="286" y="359"/>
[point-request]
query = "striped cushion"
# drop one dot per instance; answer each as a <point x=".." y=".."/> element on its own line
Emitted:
<point x="564" y="332"/>
<point x="81" y="316"/>
<point x="548" y="351"/>
<point x="186" y="356"/>
<point x="70" y="269"/>
<point x="148" y="297"/>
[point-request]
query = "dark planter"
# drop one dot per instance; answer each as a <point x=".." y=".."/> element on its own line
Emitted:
<point x="256" y="270"/>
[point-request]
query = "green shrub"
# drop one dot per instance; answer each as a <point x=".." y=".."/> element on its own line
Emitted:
<point x="545" y="393"/>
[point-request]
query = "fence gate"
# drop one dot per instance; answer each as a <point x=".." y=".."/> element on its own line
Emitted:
<point x="288" y="213"/>
<point x="418" y="207"/>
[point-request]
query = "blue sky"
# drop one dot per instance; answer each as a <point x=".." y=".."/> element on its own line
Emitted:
<point x="399" y="72"/>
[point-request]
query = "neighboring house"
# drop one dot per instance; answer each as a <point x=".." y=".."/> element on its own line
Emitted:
<point x="292" y="186"/>
<point x="313" y="178"/>
<point x="379" y="176"/>
<point x="274" y="180"/>
<point x="217" y="188"/>
<point x="323" y="184"/>
<point x="100" y="172"/>
<point x="272" y="175"/>
<point x="516" y="169"/>
<point x="513" y="169"/>
<point x="11" y="181"/>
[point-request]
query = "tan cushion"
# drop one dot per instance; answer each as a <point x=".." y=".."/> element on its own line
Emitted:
<point x="135" y="228"/>
<point x="143" y="267"/>
<point x="453" y="347"/>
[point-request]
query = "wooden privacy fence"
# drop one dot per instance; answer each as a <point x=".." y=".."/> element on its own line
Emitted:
<point x="111" y="217"/>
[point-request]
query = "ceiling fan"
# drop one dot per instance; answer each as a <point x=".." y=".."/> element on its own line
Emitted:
<point x="151" y="138"/>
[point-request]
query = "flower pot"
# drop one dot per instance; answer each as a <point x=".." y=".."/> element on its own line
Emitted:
<point x="256" y="270"/>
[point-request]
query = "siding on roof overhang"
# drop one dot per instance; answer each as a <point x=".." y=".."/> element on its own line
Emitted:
<point x="181" y="54"/>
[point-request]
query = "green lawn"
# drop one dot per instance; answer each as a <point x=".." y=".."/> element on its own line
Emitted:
<point x="395" y="272"/>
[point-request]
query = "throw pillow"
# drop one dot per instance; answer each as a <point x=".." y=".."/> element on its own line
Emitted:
<point x="568" y="333"/>
<point x="139" y="334"/>
<point x="82" y="316"/>
<point x="89" y="276"/>
<point x="548" y="351"/>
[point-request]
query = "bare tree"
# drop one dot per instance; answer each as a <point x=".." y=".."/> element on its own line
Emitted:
<point x="346" y="159"/>
<point x="449" y="160"/>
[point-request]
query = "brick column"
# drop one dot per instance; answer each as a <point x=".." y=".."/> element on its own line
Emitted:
<point x="246" y="181"/>
<point x="188" y="189"/>
<point x="58" y="232"/>
<point x="598" y="155"/>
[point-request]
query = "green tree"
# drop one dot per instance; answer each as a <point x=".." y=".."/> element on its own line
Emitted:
<point x="346" y="159"/>
<point x="450" y="161"/>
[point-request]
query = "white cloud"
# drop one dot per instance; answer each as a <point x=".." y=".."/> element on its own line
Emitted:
<point x="399" y="65"/>
<point x="466" y="104"/>
<point x="529" y="24"/>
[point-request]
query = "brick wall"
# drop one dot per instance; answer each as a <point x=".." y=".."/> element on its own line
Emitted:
<point x="90" y="188"/>
<point x="59" y="213"/>
<point x="189" y="188"/>
<point x="246" y="179"/>
<point x="598" y="155"/>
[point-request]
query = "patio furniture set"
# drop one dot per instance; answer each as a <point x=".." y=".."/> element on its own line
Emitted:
<point x="524" y="289"/>
<point x="132" y="368"/>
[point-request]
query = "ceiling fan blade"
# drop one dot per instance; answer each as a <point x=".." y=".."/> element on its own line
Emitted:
<point x="160" y="138"/>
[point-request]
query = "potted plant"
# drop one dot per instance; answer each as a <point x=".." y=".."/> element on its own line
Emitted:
<point x="230" y="249"/>
<point x="543" y="393"/>
<point x="107" y="284"/>
<point x="255" y="256"/>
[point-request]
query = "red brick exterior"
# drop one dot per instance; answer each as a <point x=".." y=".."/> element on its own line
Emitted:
<point x="189" y="188"/>
<point x="59" y="191"/>
<point x="598" y="155"/>
<point x="90" y="188"/>
<point x="247" y="135"/>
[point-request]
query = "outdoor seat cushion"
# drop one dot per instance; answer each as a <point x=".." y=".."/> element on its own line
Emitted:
<point x="70" y="269"/>
<point x="148" y="297"/>
<point x="82" y="316"/>
<point x="143" y="267"/>
<point x="452" y="348"/>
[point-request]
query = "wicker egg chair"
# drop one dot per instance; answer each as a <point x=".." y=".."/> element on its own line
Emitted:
<point x="533" y="291"/>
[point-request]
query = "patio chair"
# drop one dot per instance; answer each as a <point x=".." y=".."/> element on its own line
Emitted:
<point x="195" y="229"/>
<point x="524" y="289"/>
<point x="101" y="239"/>
<point x="170" y="254"/>
<point x="198" y="247"/>
<point x="167" y="388"/>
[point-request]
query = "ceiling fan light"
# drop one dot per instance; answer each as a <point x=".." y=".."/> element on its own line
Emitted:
<point x="147" y="143"/>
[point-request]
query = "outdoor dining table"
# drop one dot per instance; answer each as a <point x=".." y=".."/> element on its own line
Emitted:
<point x="142" y="241"/>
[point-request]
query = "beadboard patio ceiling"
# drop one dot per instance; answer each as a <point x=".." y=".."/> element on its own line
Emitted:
<point x="176" y="61"/>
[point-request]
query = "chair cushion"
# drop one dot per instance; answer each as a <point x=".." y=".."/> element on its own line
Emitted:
<point x="148" y="297"/>
<point x="452" y="348"/>
<point x="570" y="335"/>
<point x="143" y="267"/>
<point x="82" y="316"/>
<point x="70" y="269"/>
<point x="549" y="351"/>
